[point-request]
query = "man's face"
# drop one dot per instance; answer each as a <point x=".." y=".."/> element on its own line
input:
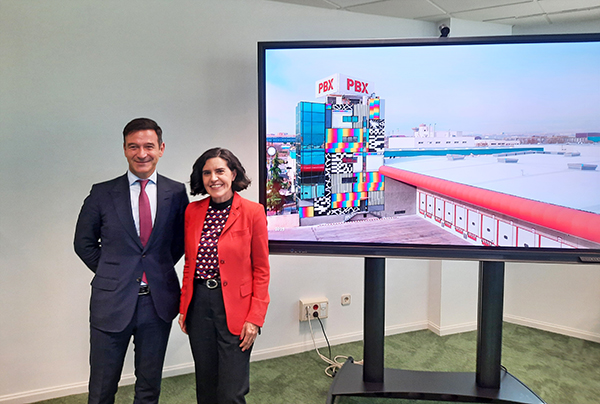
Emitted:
<point x="142" y="152"/>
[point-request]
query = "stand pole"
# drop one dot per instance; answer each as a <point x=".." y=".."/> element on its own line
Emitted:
<point x="374" y="319"/>
<point x="489" y="329"/>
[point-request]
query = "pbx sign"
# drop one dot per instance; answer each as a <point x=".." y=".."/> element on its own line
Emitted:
<point x="338" y="84"/>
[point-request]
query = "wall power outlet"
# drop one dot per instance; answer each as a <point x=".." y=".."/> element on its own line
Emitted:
<point x="313" y="309"/>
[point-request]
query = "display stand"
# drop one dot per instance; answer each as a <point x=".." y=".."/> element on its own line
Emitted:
<point x="489" y="384"/>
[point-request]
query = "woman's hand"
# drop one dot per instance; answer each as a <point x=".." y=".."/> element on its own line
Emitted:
<point x="248" y="335"/>
<point x="182" y="323"/>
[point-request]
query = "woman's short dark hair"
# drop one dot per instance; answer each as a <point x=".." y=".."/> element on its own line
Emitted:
<point x="240" y="182"/>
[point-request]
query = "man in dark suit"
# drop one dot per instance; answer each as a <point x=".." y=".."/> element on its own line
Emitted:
<point x="130" y="234"/>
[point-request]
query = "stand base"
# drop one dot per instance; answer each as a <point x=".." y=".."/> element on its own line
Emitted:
<point x="419" y="385"/>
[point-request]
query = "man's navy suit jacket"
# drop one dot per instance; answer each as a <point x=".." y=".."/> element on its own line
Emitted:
<point x="107" y="242"/>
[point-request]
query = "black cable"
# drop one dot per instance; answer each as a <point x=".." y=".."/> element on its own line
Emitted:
<point x="325" y="334"/>
<point x="334" y="364"/>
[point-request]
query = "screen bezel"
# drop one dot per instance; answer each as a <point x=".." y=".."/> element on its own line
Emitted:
<point x="471" y="252"/>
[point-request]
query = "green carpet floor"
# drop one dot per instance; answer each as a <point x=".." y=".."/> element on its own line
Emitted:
<point x="559" y="369"/>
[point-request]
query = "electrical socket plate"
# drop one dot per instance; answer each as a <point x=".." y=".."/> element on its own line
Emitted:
<point x="318" y="306"/>
<point x="346" y="299"/>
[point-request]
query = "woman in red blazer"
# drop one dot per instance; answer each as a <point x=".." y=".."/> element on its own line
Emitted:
<point x="224" y="296"/>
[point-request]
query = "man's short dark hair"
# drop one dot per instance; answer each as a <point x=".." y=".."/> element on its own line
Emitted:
<point x="142" y="124"/>
<point x="240" y="182"/>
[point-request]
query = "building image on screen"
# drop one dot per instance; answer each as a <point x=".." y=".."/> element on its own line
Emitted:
<point x="339" y="149"/>
<point x="382" y="158"/>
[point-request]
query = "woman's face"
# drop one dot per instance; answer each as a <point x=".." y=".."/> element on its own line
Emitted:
<point x="217" y="179"/>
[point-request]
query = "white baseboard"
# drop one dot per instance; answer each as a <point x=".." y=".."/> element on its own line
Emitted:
<point x="402" y="328"/>
<point x="555" y="328"/>
<point x="82" y="387"/>
<point x="453" y="329"/>
<point x="291" y="349"/>
<point x="44" y="394"/>
<point x="308" y="345"/>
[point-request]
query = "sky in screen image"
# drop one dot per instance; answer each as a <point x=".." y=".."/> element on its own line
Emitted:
<point x="476" y="89"/>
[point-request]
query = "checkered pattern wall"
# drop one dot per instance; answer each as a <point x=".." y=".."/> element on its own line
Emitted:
<point x="337" y="183"/>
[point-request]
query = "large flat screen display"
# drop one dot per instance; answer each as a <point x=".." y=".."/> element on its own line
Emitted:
<point x="480" y="148"/>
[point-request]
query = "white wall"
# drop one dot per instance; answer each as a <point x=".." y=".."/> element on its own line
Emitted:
<point x="452" y="300"/>
<point x="554" y="297"/>
<point x="72" y="73"/>
<point x="459" y="27"/>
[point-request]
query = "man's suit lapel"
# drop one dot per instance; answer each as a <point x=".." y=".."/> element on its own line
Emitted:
<point x="122" y="200"/>
<point x="164" y="197"/>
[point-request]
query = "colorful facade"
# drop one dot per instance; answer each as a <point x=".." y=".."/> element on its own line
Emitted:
<point x="338" y="145"/>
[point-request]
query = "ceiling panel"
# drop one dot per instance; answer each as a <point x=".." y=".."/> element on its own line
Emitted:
<point x="453" y="6"/>
<point x="502" y="12"/>
<point x="402" y="9"/>
<point x="536" y="20"/>
<point x="587" y="15"/>
<point x="350" y="3"/>
<point x="554" y="6"/>
<point x="510" y="12"/>
<point x="310" y="3"/>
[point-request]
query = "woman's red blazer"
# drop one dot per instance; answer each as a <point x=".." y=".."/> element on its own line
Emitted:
<point x="243" y="250"/>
